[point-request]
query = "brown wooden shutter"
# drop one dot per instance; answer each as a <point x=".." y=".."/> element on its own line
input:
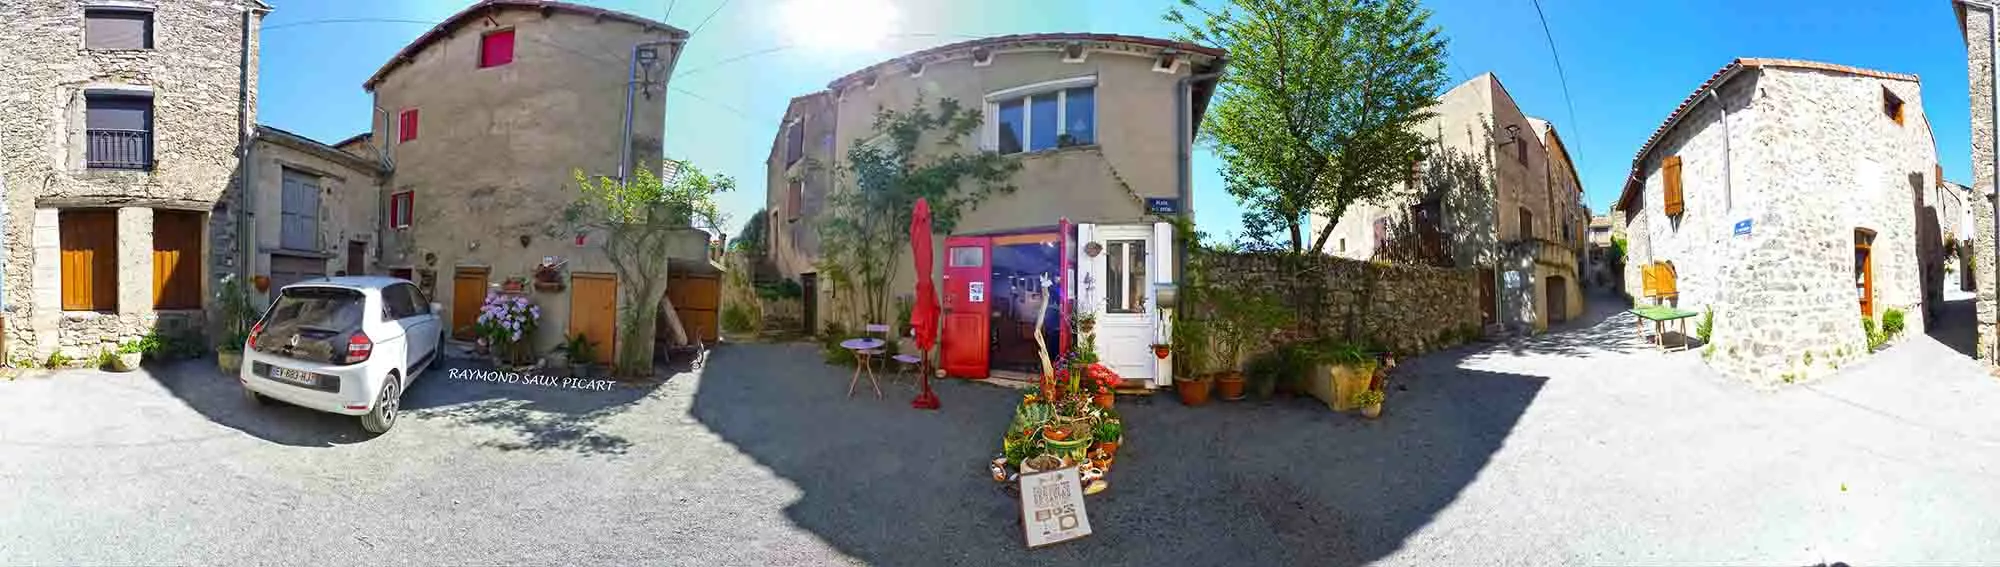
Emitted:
<point x="1670" y="171"/>
<point x="89" y="240"/>
<point x="177" y="259"/>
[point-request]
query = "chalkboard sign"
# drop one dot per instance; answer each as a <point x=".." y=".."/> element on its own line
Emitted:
<point x="1052" y="507"/>
<point x="1163" y="206"/>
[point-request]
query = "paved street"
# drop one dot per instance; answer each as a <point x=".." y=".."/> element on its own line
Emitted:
<point x="1577" y="447"/>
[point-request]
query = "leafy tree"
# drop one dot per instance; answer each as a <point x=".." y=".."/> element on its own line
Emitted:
<point x="752" y="239"/>
<point x="642" y="220"/>
<point x="913" y="153"/>
<point x="1321" y="103"/>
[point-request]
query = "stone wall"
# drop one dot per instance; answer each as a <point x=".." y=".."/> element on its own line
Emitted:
<point x="194" y="77"/>
<point x="1812" y="159"/>
<point x="1979" y="72"/>
<point x="1407" y="309"/>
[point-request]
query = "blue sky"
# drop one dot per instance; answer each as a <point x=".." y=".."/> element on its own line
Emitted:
<point x="1627" y="64"/>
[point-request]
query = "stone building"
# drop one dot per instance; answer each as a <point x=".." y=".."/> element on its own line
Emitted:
<point x="119" y="155"/>
<point x="317" y="210"/>
<point x="1785" y="196"/>
<point x="1100" y="125"/>
<point x="1979" y="27"/>
<point x="1498" y="194"/>
<point x="483" y="120"/>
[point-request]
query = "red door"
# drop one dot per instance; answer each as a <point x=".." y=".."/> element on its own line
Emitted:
<point x="968" y="274"/>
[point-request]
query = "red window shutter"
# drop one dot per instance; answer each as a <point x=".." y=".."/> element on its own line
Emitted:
<point x="496" y="49"/>
<point x="406" y="128"/>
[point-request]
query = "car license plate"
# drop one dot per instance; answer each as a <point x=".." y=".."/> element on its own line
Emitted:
<point x="295" y="376"/>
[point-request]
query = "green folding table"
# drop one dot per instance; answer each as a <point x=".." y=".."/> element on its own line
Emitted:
<point x="1660" y="315"/>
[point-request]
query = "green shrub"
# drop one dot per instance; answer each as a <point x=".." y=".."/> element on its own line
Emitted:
<point x="58" y="360"/>
<point x="829" y="345"/>
<point x="737" y="319"/>
<point x="1892" y="322"/>
<point x="130" y="347"/>
<point x="105" y="358"/>
<point x="1707" y="324"/>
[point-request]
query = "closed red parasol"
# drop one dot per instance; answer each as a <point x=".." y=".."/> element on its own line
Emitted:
<point x="924" y="315"/>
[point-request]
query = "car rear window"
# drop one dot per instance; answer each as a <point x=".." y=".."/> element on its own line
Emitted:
<point x="318" y="308"/>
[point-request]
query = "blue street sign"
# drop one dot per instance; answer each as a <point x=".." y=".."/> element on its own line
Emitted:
<point x="1743" y="227"/>
<point x="1163" y="205"/>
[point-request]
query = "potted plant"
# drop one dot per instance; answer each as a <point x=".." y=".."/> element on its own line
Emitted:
<point x="1109" y="433"/>
<point x="577" y="353"/>
<point x="1161" y="350"/>
<point x="127" y="358"/>
<point x="1086" y="323"/>
<point x="238" y="315"/>
<point x="505" y="321"/>
<point x="1251" y="317"/>
<point x="1340" y="370"/>
<point x="1191" y="378"/>
<point x="1370" y="402"/>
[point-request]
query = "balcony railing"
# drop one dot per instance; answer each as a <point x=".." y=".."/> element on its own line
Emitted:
<point x="119" y="149"/>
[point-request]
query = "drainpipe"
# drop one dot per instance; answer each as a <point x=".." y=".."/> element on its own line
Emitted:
<point x="1728" y="196"/>
<point x="246" y="239"/>
<point x="1183" y="188"/>
<point x="675" y="45"/>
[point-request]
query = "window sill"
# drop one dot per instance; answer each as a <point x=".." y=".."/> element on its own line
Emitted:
<point x="76" y="315"/>
<point x="1056" y="151"/>
<point x="119" y="50"/>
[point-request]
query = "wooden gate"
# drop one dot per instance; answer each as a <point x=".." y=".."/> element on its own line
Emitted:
<point x="1488" y="306"/>
<point x="696" y="297"/>
<point x="468" y="292"/>
<point x="593" y="311"/>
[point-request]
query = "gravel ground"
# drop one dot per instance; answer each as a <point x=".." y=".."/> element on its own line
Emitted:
<point x="1576" y="447"/>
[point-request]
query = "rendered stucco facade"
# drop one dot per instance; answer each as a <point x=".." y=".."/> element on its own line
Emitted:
<point x="794" y="238"/>
<point x="1134" y="157"/>
<point x="491" y="166"/>
<point x="201" y="89"/>
<point x="1814" y="165"/>
<point x="1504" y="198"/>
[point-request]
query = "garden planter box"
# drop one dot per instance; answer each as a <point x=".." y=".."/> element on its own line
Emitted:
<point x="1337" y="384"/>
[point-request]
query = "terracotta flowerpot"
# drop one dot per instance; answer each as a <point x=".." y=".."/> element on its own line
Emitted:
<point x="1104" y="400"/>
<point x="1162" y="352"/>
<point x="1110" y="447"/>
<point x="1371" y="411"/>
<point x="1229" y="385"/>
<point x="1192" y="392"/>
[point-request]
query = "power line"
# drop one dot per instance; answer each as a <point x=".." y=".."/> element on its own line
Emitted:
<point x="1574" y="126"/>
<point x="670" y="11"/>
<point x="711" y="16"/>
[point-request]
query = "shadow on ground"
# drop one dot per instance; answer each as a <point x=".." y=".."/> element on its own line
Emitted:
<point x="1284" y="481"/>
<point x="1956" y="325"/>
<point x="538" y="417"/>
<point x="1604" y="327"/>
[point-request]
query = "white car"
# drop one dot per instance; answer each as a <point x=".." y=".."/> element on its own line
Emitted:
<point x="346" y="345"/>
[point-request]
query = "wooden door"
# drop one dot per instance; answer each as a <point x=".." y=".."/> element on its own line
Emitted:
<point x="468" y="292"/>
<point x="968" y="273"/>
<point x="809" y="301"/>
<point x="1556" y="290"/>
<point x="357" y="256"/>
<point x="1487" y="304"/>
<point x="696" y="297"/>
<point x="1864" y="271"/>
<point x="593" y="312"/>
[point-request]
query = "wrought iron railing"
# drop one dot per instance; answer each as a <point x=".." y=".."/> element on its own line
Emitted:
<point x="119" y="149"/>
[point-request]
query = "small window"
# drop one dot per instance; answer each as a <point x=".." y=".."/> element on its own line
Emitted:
<point x="967" y="257"/>
<point x="795" y="200"/>
<point x="496" y="48"/>
<point x="1343" y="245"/>
<point x="1125" y="276"/>
<point x="1892" y="106"/>
<point x="1381" y="232"/>
<point x="401" y="207"/>
<point x="118" y="132"/>
<point x="109" y="29"/>
<point x="795" y="142"/>
<point x="1527" y="223"/>
<point x="406" y="126"/>
<point x="1048" y="120"/>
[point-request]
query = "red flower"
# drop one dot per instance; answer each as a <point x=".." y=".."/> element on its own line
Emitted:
<point x="1102" y="374"/>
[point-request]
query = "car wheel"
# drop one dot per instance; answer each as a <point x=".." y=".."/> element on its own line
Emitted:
<point x="253" y="397"/>
<point x="386" y="409"/>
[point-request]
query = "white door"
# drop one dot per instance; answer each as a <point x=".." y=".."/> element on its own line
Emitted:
<point x="1117" y="285"/>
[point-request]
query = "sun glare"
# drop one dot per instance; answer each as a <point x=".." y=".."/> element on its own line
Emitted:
<point x="839" y="24"/>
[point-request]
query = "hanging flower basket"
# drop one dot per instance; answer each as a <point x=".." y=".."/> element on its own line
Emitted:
<point x="1161" y="350"/>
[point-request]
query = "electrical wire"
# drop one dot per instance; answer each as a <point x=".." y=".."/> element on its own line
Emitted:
<point x="711" y="16"/>
<point x="1574" y="126"/>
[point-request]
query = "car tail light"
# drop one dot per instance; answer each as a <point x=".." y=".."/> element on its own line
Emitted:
<point x="359" y="347"/>
<point x="254" y="330"/>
